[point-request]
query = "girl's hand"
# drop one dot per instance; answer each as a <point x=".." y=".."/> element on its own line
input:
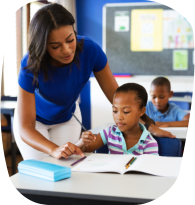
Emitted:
<point x="154" y="130"/>
<point x="162" y="124"/>
<point x="66" y="150"/>
<point x="87" y="138"/>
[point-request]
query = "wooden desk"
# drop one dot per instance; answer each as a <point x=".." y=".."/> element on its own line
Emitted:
<point x="92" y="188"/>
<point x="8" y="107"/>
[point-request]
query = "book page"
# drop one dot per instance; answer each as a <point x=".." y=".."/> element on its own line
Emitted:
<point x="103" y="163"/>
<point x="157" y="165"/>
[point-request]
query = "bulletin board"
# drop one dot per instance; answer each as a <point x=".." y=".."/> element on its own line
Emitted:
<point x="147" y="39"/>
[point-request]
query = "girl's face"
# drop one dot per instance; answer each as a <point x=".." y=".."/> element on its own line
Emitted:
<point x="126" y="111"/>
<point x="61" y="45"/>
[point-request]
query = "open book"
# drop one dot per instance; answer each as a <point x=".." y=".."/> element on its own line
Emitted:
<point x="150" y="164"/>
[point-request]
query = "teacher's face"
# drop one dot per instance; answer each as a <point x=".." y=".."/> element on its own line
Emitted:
<point x="61" y="45"/>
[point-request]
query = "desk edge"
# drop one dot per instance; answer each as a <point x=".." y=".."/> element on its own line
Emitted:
<point x="83" y="196"/>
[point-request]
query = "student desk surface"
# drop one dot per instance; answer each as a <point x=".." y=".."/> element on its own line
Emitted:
<point x="92" y="188"/>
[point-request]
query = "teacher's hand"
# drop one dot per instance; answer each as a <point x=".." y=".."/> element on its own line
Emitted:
<point x="66" y="150"/>
<point x="154" y="130"/>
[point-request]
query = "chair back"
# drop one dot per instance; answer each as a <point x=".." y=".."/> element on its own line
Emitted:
<point x="182" y="105"/>
<point x="169" y="147"/>
<point x="7" y="116"/>
<point x="8" y="98"/>
<point x="103" y="150"/>
<point x="182" y="94"/>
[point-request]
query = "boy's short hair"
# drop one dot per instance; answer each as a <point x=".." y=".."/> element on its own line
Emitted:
<point x="162" y="81"/>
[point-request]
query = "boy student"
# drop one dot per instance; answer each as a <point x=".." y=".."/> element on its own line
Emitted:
<point x="165" y="114"/>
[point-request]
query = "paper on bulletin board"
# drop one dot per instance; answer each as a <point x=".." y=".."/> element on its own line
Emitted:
<point x="146" y="30"/>
<point x="177" y="32"/>
<point x="121" y="21"/>
<point x="180" y="60"/>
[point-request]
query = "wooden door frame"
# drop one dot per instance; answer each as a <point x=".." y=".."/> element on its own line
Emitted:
<point x="18" y="38"/>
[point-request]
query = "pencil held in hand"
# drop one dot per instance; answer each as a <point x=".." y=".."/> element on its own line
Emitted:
<point x="87" y="138"/>
<point x="79" y="121"/>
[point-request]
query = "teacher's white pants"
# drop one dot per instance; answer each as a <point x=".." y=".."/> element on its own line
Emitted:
<point x="59" y="134"/>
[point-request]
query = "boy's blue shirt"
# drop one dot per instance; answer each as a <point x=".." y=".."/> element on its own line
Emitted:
<point x="174" y="113"/>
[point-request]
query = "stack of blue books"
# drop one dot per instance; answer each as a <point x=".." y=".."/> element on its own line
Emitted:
<point x="44" y="170"/>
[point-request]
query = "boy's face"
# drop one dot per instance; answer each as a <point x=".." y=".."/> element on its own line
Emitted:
<point x="160" y="96"/>
<point x="126" y="111"/>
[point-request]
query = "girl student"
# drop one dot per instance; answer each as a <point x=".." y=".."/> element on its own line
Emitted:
<point x="128" y="136"/>
<point x="55" y="69"/>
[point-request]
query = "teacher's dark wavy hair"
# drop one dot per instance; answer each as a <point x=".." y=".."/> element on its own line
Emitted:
<point x="49" y="17"/>
<point x="141" y="97"/>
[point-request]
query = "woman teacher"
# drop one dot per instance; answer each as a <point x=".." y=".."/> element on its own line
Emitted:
<point x="55" y="69"/>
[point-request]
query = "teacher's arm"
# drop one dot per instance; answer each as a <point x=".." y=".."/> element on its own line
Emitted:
<point x="28" y="133"/>
<point x="107" y="82"/>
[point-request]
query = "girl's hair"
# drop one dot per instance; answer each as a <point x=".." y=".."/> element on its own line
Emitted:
<point x="49" y="17"/>
<point x="141" y="97"/>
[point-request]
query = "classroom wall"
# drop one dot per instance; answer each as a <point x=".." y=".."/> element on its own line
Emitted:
<point x="89" y="23"/>
<point x="89" y="17"/>
<point x="95" y="108"/>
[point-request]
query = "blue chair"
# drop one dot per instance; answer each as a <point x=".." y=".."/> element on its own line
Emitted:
<point x="103" y="149"/>
<point x="182" y="94"/>
<point x="182" y="105"/>
<point x="169" y="147"/>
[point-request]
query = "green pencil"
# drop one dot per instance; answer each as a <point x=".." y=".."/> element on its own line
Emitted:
<point x="133" y="161"/>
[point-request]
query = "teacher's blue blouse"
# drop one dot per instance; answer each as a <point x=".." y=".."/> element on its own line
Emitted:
<point x="55" y="99"/>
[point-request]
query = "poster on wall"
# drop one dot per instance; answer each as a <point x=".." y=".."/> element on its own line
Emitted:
<point x="121" y="21"/>
<point x="146" y="30"/>
<point x="177" y="32"/>
<point x="180" y="60"/>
